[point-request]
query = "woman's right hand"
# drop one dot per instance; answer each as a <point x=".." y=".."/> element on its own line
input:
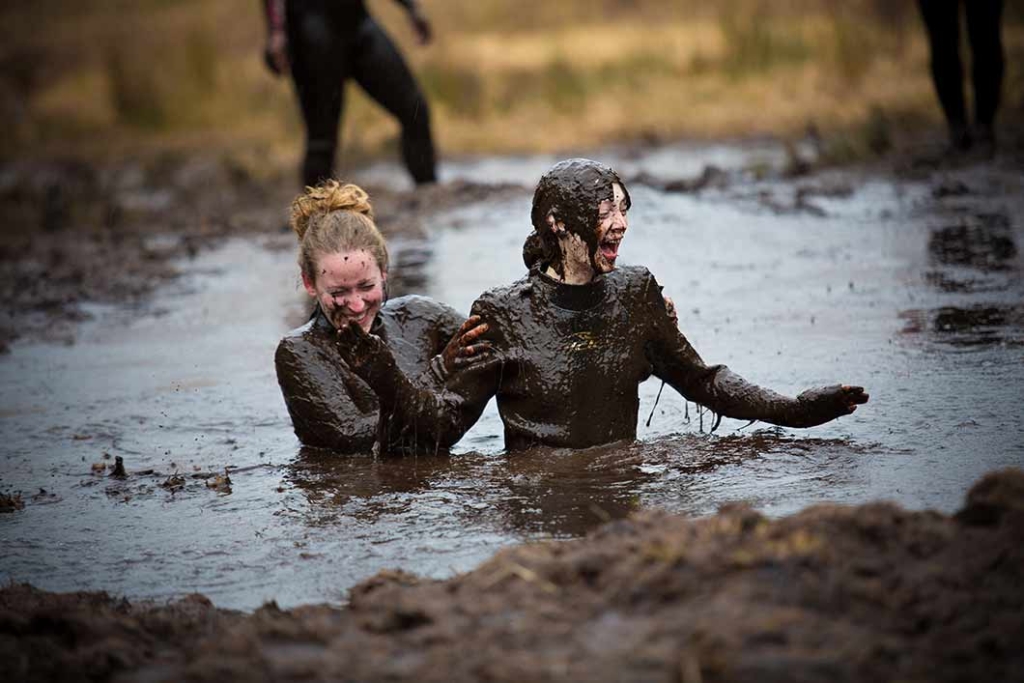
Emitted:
<point x="276" y="52"/>
<point x="461" y="350"/>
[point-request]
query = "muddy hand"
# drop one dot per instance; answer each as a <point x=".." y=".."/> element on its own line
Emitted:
<point x="361" y="350"/>
<point x="275" y="54"/>
<point x="421" y="25"/>
<point x="464" y="349"/>
<point x="823" y="404"/>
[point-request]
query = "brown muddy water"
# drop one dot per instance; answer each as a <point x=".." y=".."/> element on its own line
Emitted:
<point x="912" y="288"/>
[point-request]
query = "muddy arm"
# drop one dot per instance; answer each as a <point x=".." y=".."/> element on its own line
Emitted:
<point x="721" y="390"/>
<point x="275" y="52"/>
<point x="419" y="20"/>
<point x="329" y="406"/>
<point x="273" y="12"/>
<point x="429" y="413"/>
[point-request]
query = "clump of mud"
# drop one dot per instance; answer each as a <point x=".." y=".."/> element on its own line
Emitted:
<point x="832" y="593"/>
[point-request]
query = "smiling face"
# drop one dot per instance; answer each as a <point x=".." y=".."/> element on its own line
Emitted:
<point x="611" y="228"/>
<point x="349" y="286"/>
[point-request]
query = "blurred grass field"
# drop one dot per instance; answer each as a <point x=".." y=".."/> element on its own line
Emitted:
<point x="109" y="78"/>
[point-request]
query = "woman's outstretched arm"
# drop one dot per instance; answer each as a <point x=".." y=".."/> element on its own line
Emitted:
<point x="726" y="393"/>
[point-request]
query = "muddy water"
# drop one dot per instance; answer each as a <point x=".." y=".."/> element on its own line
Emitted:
<point x="911" y="288"/>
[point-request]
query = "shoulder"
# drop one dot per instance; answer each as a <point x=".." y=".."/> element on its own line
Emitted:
<point x="299" y="335"/>
<point x="296" y="343"/>
<point x="414" y="304"/>
<point x="504" y="297"/>
<point x="414" y="309"/>
<point x="633" y="280"/>
<point x="632" y="274"/>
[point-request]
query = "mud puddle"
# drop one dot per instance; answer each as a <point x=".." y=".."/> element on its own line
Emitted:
<point x="181" y="387"/>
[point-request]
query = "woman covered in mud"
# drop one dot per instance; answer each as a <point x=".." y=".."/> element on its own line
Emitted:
<point x="574" y="339"/>
<point x="344" y="264"/>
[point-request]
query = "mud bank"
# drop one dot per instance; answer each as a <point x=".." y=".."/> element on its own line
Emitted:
<point x="77" y="233"/>
<point x="832" y="593"/>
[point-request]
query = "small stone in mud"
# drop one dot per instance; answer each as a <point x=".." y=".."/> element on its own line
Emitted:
<point x="11" y="503"/>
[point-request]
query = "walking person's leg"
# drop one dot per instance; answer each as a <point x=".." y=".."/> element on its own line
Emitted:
<point x="319" y="67"/>
<point x="987" y="64"/>
<point x="942" y="20"/>
<point x="383" y="74"/>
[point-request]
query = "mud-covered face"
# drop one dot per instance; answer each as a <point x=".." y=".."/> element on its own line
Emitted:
<point x="349" y="286"/>
<point x="611" y="228"/>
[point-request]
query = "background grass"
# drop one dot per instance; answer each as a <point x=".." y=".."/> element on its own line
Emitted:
<point x="109" y="78"/>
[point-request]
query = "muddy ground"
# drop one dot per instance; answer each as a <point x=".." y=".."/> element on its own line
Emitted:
<point x="830" y="594"/>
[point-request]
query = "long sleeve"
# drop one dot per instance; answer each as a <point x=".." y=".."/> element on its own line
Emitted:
<point x="715" y="387"/>
<point x="434" y="410"/>
<point x="409" y="5"/>
<point x="273" y="10"/>
<point x="330" y="407"/>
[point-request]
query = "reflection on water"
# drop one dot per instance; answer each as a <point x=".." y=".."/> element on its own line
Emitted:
<point x="982" y="241"/>
<point x="183" y="389"/>
<point x="966" y="327"/>
<point x="976" y="256"/>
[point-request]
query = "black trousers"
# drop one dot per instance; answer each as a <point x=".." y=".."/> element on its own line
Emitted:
<point x="942" y="19"/>
<point x="329" y="43"/>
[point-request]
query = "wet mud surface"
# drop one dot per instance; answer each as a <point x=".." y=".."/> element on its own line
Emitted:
<point x="909" y="284"/>
<point x="832" y="593"/>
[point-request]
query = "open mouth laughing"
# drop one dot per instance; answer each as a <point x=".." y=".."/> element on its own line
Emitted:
<point x="609" y="247"/>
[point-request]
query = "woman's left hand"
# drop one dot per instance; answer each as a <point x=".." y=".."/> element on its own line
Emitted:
<point x="823" y="404"/>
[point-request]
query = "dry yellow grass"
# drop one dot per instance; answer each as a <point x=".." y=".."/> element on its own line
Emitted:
<point x="120" y="76"/>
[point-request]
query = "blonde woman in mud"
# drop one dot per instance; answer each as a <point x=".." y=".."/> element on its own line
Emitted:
<point x="344" y="263"/>
<point x="573" y="340"/>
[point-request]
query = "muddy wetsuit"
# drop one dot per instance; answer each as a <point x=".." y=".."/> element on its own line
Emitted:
<point x="329" y="405"/>
<point x="330" y="41"/>
<point x="942" y="19"/>
<point x="567" y="364"/>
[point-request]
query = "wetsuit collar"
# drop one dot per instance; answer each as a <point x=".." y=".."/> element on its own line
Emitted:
<point x="571" y="297"/>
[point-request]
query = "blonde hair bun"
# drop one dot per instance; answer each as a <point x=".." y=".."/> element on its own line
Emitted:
<point x="326" y="198"/>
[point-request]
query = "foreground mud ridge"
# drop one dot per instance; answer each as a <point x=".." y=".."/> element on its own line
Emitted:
<point x="830" y="594"/>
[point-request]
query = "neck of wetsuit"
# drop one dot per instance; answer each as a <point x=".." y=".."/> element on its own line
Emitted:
<point x="573" y="297"/>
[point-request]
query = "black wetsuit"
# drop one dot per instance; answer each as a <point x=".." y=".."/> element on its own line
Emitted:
<point x="330" y="41"/>
<point x="568" y="360"/>
<point x="942" y="19"/>
<point x="329" y="405"/>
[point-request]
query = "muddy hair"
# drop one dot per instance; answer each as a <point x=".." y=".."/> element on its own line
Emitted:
<point x="332" y="218"/>
<point x="570" y="193"/>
